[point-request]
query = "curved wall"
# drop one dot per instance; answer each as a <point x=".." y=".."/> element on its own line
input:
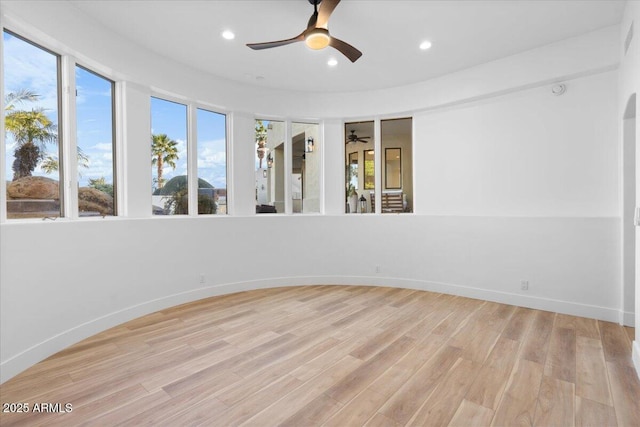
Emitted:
<point x="510" y="184"/>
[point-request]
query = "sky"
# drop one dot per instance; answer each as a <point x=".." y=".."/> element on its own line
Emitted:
<point x="29" y="67"/>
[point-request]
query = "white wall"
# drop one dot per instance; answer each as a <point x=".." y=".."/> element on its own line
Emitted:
<point x="529" y="192"/>
<point x="528" y="154"/>
<point x="629" y="84"/>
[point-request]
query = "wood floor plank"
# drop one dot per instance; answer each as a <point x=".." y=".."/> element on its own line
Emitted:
<point x="561" y="358"/>
<point x="476" y="340"/>
<point x="492" y="379"/>
<point x="289" y="403"/>
<point x="518" y="403"/>
<point x="536" y="342"/>
<point x="397" y="375"/>
<point x="360" y="409"/>
<point x="625" y="388"/>
<point x="519" y="324"/>
<point x="584" y="327"/>
<point x="244" y="409"/>
<point x="402" y="406"/>
<point x="360" y="378"/>
<point x="286" y="356"/>
<point x="615" y="342"/>
<point x="379" y="420"/>
<point x="555" y="403"/>
<point x="592" y="381"/>
<point x="442" y="404"/>
<point x="471" y="414"/>
<point x="594" y="414"/>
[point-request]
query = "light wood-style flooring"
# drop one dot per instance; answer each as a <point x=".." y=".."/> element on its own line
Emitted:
<point x="339" y="356"/>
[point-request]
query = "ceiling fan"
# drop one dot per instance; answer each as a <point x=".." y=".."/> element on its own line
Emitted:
<point x="316" y="36"/>
<point x="353" y="138"/>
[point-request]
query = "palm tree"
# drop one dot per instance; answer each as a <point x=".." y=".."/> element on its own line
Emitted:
<point x="261" y="140"/>
<point x="163" y="150"/>
<point x="31" y="130"/>
<point x="14" y="98"/>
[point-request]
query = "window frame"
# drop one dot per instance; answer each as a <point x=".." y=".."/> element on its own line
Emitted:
<point x="192" y="149"/>
<point x="115" y="149"/>
<point x="67" y="60"/>
<point x="194" y="182"/>
<point x="62" y="127"/>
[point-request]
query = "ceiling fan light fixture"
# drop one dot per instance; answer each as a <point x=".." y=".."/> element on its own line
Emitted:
<point x="317" y="39"/>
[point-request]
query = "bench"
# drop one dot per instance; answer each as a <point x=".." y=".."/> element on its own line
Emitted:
<point x="392" y="201"/>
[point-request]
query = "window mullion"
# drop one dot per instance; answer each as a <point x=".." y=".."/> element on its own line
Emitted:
<point x="3" y="142"/>
<point x="192" y="159"/>
<point x="68" y="148"/>
<point x="377" y="143"/>
<point x="288" y="168"/>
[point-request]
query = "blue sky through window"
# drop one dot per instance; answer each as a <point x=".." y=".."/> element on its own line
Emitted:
<point x="29" y="67"/>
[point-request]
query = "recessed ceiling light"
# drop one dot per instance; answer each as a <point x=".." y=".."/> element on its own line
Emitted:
<point x="332" y="62"/>
<point x="425" y="45"/>
<point x="227" y="34"/>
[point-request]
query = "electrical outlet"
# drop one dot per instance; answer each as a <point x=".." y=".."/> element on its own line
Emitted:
<point x="524" y="285"/>
<point x="202" y="278"/>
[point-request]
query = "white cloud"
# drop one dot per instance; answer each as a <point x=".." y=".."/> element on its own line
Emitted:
<point x="102" y="146"/>
<point x="28" y="67"/>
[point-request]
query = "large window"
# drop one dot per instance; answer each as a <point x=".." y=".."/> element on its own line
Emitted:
<point x="33" y="169"/>
<point x="396" y="165"/>
<point x="360" y="170"/>
<point x="390" y="181"/>
<point x="212" y="162"/>
<point x="269" y="166"/>
<point x="170" y="190"/>
<point x="95" y="141"/>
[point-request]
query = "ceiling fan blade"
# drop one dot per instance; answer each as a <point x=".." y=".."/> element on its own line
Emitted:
<point x="345" y="48"/>
<point x="326" y="8"/>
<point x="268" y="45"/>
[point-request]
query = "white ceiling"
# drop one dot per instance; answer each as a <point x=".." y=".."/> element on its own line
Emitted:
<point x="463" y="33"/>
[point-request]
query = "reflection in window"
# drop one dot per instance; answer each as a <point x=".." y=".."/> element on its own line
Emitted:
<point x="369" y="170"/>
<point x="360" y="167"/>
<point x="212" y="162"/>
<point x="269" y="166"/>
<point x="393" y="168"/>
<point x="31" y="76"/>
<point x="397" y="191"/>
<point x="169" y="157"/>
<point x="305" y="168"/>
<point x="94" y="121"/>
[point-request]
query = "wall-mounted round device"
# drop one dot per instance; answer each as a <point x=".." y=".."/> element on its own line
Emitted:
<point x="558" y="89"/>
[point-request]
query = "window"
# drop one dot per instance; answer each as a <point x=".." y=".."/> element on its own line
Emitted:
<point x="212" y="162"/>
<point x="32" y="91"/>
<point x="395" y="171"/>
<point x="170" y="191"/>
<point x="95" y="140"/>
<point x="269" y="166"/>
<point x="305" y="168"/>
<point x="397" y="182"/>
<point x="360" y="177"/>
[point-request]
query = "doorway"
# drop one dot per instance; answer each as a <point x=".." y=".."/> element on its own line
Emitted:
<point x="630" y="233"/>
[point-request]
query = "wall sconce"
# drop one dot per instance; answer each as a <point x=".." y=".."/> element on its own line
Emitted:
<point x="363" y="204"/>
<point x="269" y="160"/>
<point x="310" y="146"/>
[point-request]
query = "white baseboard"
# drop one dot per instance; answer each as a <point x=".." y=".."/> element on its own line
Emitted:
<point x="18" y="363"/>
<point x="628" y="318"/>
